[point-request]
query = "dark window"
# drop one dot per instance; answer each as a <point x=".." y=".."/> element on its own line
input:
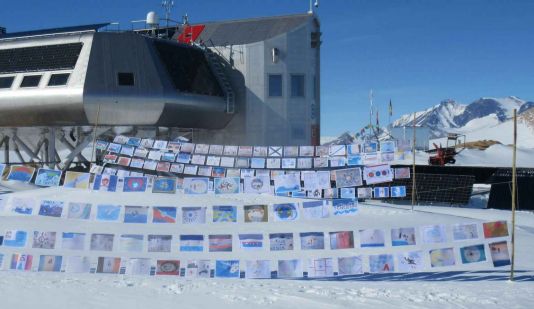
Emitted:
<point x="6" y="82"/>
<point x="39" y="58"/>
<point x="275" y="85"/>
<point x="315" y="39"/>
<point x="297" y="85"/>
<point x="125" y="79"/>
<point x="58" y="79"/>
<point x="30" y="81"/>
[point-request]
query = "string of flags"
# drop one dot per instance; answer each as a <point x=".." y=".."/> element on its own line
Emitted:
<point x="111" y="212"/>
<point x="414" y="259"/>
<point x="348" y="182"/>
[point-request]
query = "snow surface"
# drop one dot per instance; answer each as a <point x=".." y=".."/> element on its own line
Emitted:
<point x="494" y="156"/>
<point x="479" y="123"/>
<point x="459" y="286"/>
<point x="489" y="128"/>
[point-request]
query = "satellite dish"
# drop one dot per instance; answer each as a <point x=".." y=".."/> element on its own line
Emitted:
<point x="152" y="19"/>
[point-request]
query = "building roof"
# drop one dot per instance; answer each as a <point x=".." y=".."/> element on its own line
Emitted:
<point x="230" y="32"/>
<point x="92" y="27"/>
<point x="245" y="31"/>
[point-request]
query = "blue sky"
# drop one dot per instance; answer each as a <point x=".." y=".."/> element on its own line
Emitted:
<point x="414" y="52"/>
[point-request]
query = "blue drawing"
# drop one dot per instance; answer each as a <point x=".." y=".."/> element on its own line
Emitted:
<point x="227" y="268"/>
<point x="108" y="212"/>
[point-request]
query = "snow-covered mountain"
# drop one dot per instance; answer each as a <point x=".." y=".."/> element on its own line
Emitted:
<point x="345" y="138"/>
<point x="483" y="119"/>
<point x="437" y="118"/>
<point x="451" y="116"/>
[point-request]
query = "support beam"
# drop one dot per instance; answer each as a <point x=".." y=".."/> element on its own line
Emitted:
<point x="45" y="152"/>
<point x="76" y="151"/>
<point x="17" y="141"/>
<point x="39" y="145"/>
<point x="5" y="142"/>
<point x="6" y="149"/>
<point x="17" y="152"/>
<point x="51" y="149"/>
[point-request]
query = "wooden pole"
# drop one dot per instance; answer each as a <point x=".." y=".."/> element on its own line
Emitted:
<point x="514" y="195"/>
<point x="413" y="163"/>
<point x="94" y="133"/>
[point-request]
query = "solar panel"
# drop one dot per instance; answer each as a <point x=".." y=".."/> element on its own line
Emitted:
<point x="39" y="58"/>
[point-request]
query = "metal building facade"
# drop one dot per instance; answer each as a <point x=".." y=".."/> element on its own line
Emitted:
<point x="261" y="119"/>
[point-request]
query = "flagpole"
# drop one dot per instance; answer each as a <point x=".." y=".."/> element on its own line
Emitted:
<point x="413" y="163"/>
<point x="377" y="131"/>
<point x="370" y="113"/>
<point x="390" y="113"/>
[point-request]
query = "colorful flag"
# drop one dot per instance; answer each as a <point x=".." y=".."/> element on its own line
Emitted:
<point x="193" y="243"/>
<point x="251" y="241"/>
<point x="164" y="215"/>
<point x="135" y="184"/>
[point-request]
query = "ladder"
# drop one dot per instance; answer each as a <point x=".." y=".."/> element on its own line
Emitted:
<point x="218" y="68"/>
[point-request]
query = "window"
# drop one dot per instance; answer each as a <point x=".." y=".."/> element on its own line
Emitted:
<point x="315" y="39"/>
<point x="275" y="85"/>
<point x="125" y="79"/>
<point x="6" y="82"/>
<point x="30" y="81"/>
<point x="297" y="85"/>
<point x="58" y="79"/>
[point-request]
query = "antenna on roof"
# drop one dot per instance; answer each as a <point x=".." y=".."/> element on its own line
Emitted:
<point x="167" y="5"/>
<point x="316" y="4"/>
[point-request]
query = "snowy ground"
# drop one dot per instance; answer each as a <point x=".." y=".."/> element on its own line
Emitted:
<point x="461" y="286"/>
<point x="490" y="128"/>
<point x="494" y="156"/>
<point x="38" y="290"/>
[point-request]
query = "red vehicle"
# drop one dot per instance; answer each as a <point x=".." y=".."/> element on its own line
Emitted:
<point x="446" y="155"/>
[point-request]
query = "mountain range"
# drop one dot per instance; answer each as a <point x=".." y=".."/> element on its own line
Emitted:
<point x="451" y="116"/>
<point x="484" y="119"/>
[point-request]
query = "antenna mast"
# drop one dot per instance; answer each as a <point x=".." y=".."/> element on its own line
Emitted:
<point x="370" y="113"/>
<point x="316" y="4"/>
<point x="167" y="6"/>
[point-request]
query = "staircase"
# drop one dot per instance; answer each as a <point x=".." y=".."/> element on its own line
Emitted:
<point x="218" y="68"/>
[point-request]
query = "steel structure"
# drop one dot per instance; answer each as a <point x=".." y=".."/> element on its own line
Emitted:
<point x="213" y="81"/>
